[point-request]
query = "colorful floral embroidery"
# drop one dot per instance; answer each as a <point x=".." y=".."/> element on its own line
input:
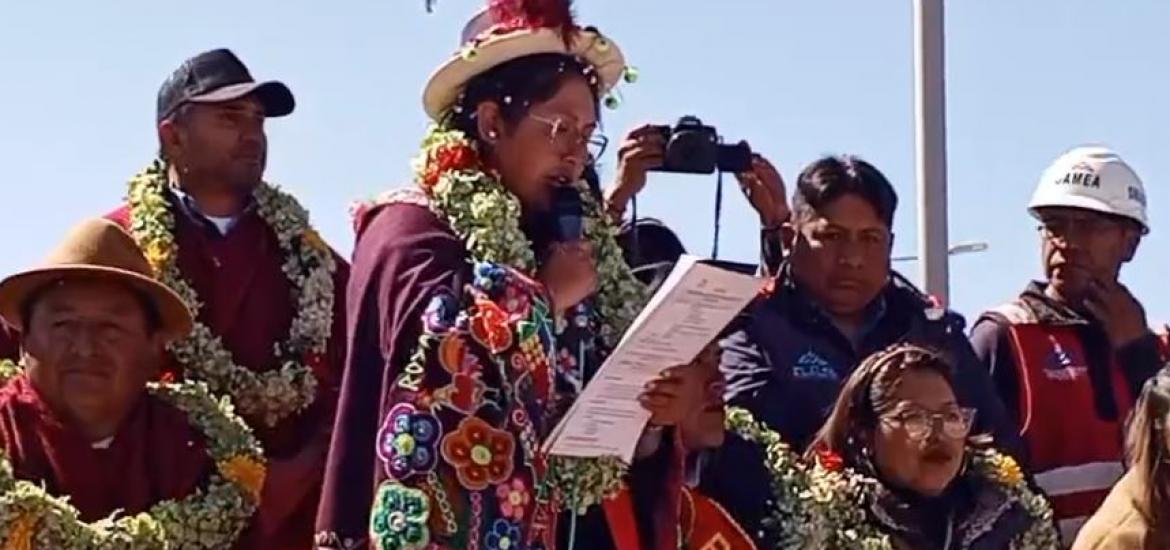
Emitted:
<point x="514" y="498"/>
<point x="441" y="313"/>
<point x="464" y="394"/>
<point x="517" y="302"/>
<point x="531" y="363"/>
<point x="407" y="441"/>
<point x="455" y="357"/>
<point x="489" y="326"/>
<point x="505" y="535"/>
<point x="489" y="276"/>
<point x="398" y="520"/>
<point x="481" y="454"/>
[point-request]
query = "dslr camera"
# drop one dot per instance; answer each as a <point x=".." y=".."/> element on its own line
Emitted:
<point x="693" y="148"/>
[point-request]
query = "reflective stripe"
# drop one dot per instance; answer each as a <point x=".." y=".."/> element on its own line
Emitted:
<point x="1094" y="476"/>
<point x="1069" y="528"/>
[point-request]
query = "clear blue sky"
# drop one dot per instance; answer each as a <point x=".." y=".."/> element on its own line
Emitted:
<point x="798" y="79"/>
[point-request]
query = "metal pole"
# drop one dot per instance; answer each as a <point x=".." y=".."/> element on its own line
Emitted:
<point x="930" y="133"/>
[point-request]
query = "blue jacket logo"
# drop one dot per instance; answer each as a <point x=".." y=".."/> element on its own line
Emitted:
<point x="811" y="366"/>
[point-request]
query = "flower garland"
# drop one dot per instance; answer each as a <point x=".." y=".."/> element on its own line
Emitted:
<point x="791" y="520"/>
<point x="210" y="518"/>
<point x="824" y="506"/>
<point x="1004" y="470"/>
<point x="844" y="495"/>
<point x="486" y="217"/>
<point x="309" y="265"/>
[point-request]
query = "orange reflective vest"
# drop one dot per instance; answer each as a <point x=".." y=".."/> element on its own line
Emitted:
<point x="1076" y="457"/>
<point x="703" y="524"/>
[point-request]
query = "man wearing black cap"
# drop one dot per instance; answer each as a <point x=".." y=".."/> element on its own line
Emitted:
<point x="268" y="293"/>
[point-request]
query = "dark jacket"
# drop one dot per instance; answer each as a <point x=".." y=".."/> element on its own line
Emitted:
<point x="788" y="361"/>
<point x="973" y="514"/>
<point x="1138" y="360"/>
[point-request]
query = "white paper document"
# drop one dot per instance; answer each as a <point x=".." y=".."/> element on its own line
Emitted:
<point x="694" y="303"/>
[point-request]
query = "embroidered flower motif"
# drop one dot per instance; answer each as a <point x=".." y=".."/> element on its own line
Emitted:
<point x="464" y="393"/>
<point x="454" y="355"/>
<point x="513" y="498"/>
<point x="441" y="313"/>
<point x="489" y="326"/>
<point x="407" y="441"/>
<point x="481" y="454"/>
<point x="504" y="535"/>
<point x="489" y="277"/>
<point x="531" y="363"/>
<point x="566" y="361"/>
<point x="398" y="520"/>
<point x="517" y="302"/>
<point x="486" y="218"/>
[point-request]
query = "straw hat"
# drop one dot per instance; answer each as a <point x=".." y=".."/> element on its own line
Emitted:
<point x="96" y="248"/>
<point x="510" y="29"/>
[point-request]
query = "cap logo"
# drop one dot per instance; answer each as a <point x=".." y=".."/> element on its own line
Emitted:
<point x="1136" y="195"/>
<point x="1081" y="177"/>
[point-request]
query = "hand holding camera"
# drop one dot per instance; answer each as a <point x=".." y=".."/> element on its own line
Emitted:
<point x="642" y="150"/>
<point x="764" y="189"/>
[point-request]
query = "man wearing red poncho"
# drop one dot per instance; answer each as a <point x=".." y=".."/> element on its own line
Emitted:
<point x="267" y="292"/>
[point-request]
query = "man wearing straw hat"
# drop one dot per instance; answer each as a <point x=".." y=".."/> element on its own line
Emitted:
<point x="79" y="421"/>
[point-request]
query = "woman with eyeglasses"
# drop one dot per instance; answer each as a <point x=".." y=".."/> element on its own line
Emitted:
<point x="1136" y="514"/>
<point x="468" y="339"/>
<point x="896" y="466"/>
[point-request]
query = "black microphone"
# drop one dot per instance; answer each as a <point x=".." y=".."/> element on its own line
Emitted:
<point x="568" y="226"/>
<point x="568" y="214"/>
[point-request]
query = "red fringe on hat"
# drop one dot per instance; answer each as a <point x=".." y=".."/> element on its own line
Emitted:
<point x="518" y="14"/>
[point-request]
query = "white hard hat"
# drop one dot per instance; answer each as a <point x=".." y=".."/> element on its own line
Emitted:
<point x="1093" y="178"/>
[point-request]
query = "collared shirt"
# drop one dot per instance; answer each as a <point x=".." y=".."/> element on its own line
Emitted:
<point x="222" y="224"/>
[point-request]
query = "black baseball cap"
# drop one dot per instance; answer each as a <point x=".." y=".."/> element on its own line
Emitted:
<point x="216" y="76"/>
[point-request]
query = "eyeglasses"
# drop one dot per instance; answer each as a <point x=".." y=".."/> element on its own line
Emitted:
<point x="920" y="423"/>
<point x="1062" y="228"/>
<point x="565" y="135"/>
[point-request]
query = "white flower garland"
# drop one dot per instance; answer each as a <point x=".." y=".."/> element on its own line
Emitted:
<point x="210" y="518"/>
<point x="309" y="265"/>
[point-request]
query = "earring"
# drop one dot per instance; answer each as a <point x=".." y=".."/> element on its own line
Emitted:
<point x="492" y="134"/>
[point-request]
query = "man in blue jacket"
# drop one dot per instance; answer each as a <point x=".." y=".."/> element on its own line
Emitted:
<point x="834" y="302"/>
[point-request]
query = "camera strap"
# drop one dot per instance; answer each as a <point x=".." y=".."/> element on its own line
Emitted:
<point x="718" y="212"/>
